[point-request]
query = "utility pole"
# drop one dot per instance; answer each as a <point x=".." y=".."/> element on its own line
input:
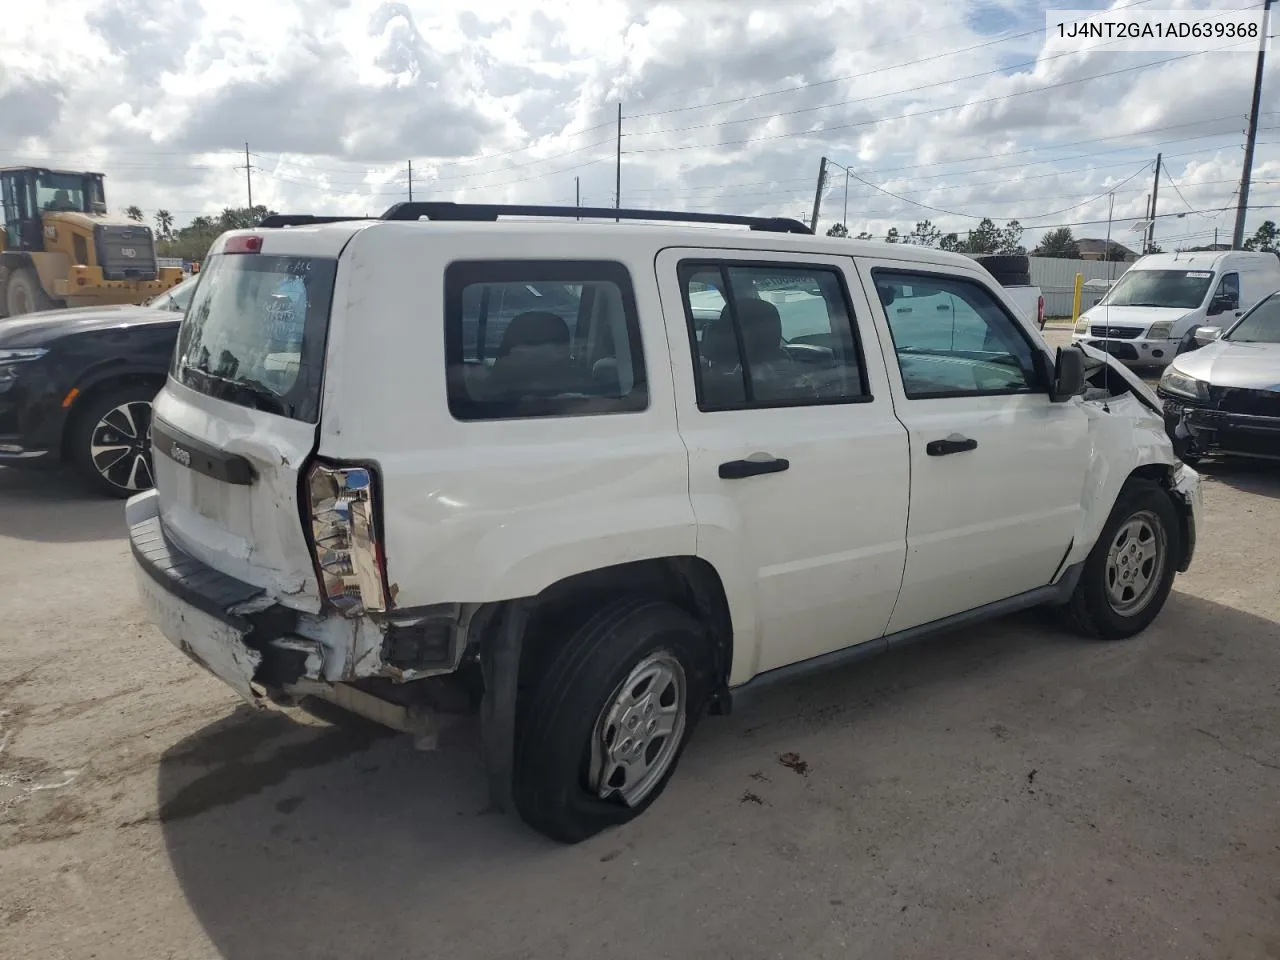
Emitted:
<point x="845" y="221"/>
<point x="577" y="193"/>
<point x="817" y="196"/>
<point x="1246" y="173"/>
<point x="248" y="174"/>
<point x="1106" y="250"/>
<point x="617" y="175"/>
<point x="1155" y="193"/>
<point x="411" y="181"/>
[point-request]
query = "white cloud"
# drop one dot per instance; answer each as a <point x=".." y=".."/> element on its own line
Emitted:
<point x="507" y="102"/>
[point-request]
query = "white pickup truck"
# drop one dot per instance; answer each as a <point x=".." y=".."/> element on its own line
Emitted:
<point x="1013" y="273"/>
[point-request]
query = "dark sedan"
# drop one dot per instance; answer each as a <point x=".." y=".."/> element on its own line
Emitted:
<point x="76" y="388"/>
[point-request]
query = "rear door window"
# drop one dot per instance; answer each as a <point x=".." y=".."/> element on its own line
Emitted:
<point x="535" y="338"/>
<point x="254" y="334"/>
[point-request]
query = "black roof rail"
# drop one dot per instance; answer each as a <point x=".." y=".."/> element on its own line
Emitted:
<point x="447" y="210"/>
<point x="302" y="220"/>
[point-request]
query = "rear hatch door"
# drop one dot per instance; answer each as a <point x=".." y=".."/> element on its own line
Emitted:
<point x="237" y="420"/>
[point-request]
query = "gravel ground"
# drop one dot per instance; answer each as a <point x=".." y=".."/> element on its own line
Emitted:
<point x="1006" y="791"/>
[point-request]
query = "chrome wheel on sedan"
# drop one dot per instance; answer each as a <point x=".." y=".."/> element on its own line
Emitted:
<point x="110" y="439"/>
<point x="121" y="446"/>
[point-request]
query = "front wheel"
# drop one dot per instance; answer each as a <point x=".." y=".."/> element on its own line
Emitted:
<point x="607" y="719"/>
<point x="1129" y="573"/>
<point x="110" y="440"/>
<point x="23" y="293"/>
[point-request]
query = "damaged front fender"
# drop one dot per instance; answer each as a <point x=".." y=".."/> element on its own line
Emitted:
<point x="1127" y="436"/>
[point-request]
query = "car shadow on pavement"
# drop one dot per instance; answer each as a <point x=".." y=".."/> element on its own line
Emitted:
<point x="56" y="507"/>
<point x="343" y="841"/>
<point x="1259" y="477"/>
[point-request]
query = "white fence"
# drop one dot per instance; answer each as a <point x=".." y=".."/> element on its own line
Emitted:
<point x="1057" y="281"/>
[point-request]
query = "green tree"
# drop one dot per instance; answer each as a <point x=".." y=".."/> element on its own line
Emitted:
<point x="864" y="235"/>
<point x="1058" y="243"/>
<point x="192" y="242"/>
<point x="1011" y="239"/>
<point x="950" y="242"/>
<point x="837" y="230"/>
<point x="134" y="213"/>
<point x="893" y="236"/>
<point x="924" y="234"/>
<point x="164" y="223"/>
<point x="1266" y="238"/>
<point x="986" y="237"/>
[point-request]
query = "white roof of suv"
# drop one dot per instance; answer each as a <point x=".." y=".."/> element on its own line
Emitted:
<point x="328" y="239"/>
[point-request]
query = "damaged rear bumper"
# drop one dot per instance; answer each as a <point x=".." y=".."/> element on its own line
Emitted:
<point x="257" y="646"/>
<point x="229" y="627"/>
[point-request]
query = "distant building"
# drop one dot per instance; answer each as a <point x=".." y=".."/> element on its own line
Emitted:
<point x="1094" y="250"/>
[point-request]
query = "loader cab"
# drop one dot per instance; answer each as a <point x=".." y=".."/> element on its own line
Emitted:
<point x="28" y="193"/>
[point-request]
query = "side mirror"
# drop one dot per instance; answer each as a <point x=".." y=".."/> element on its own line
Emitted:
<point x="1220" y="305"/>
<point x="1206" y="335"/>
<point x="1068" y="375"/>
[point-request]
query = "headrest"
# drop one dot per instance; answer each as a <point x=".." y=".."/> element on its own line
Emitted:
<point x="536" y="328"/>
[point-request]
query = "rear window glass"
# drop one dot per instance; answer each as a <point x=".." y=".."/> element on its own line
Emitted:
<point x="530" y="338"/>
<point x="254" y="333"/>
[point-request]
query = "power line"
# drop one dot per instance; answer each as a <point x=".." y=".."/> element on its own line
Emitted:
<point x="859" y="76"/>
<point x="1174" y="183"/>
<point x="987" y="157"/>
<point x="931" y="111"/>
<point x="879" y="96"/>
<point x="972" y="216"/>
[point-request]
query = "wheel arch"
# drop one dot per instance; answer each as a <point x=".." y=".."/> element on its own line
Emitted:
<point x="1128" y="443"/>
<point x="688" y="582"/>
<point x="1165" y="476"/>
<point x="11" y="260"/>
<point x="98" y="382"/>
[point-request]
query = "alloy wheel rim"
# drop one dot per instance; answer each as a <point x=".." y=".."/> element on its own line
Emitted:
<point x="1135" y="563"/>
<point x="120" y="446"/>
<point x="639" y="730"/>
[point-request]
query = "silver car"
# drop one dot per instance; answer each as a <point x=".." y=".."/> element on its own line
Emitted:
<point x="1222" y="396"/>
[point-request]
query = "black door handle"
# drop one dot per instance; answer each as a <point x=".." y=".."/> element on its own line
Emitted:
<point x="741" y="469"/>
<point x="953" y="444"/>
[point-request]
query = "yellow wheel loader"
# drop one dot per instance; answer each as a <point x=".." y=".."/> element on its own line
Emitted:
<point x="60" y="247"/>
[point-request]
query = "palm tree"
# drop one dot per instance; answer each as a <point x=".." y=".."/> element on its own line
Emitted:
<point x="164" y="223"/>
<point x="133" y="213"/>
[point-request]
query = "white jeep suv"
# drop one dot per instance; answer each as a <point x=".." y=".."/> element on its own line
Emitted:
<point x="592" y="480"/>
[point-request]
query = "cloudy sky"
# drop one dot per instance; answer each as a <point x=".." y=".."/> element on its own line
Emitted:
<point x="949" y="111"/>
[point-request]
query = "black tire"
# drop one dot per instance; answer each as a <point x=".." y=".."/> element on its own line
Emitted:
<point x="1091" y="609"/>
<point x="23" y="293"/>
<point x="569" y="697"/>
<point x="1012" y="279"/>
<point x="1008" y="270"/>
<point x="1006" y="263"/>
<point x="90" y="428"/>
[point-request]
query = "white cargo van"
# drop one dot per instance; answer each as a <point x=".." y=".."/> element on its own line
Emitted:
<point x="594" y="479"/>
<point x="1165" y="296"/>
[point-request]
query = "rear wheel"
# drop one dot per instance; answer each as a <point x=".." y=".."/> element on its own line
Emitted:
<point x="23" y="293"/>
<point x="608" y="717"/>
<point x="1129" y="573"/>
<point x="111" y="440"/>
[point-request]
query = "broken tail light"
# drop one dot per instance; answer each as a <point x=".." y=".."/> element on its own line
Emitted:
<point x="344" y="534"/>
